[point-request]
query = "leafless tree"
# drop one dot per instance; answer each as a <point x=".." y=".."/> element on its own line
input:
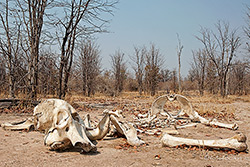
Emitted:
<point x="199" y="68"/>
<point x="238" y="77"/>
<point x="139" y="66"/>
<point x="165" y="75"/>
<point x="153" y="62"/>
<point x="2" y="76"/>
<point x="212" y="80"/>
<point x="48" y="73"/>
<point x="9" y="43"/>
<point x="179" y="51"/>
<point x="119" y="70"/>
<point x="89" y="64"/>
<point x="221" y="49"/>
<point x="174" y="80"/>
<point x="80" y="18"/>
<point x="31" y="14"/>
<point x="247" y="28"/>
<point x="106" y="83"/>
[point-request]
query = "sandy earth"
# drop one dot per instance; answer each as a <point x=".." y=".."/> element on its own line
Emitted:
<point x="20" y="148"/>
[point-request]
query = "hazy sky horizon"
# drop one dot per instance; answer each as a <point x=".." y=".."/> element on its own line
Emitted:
<point x="143" y="22"/>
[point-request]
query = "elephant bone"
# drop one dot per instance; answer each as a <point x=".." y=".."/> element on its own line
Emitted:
<point x="26" y="124"/>
<point x="126" y="129"/>
<point x="186" y="109"/>
<point x="63" y="130"/>
<point x="237" y="142"/>
<point x="61" y="123"/>
<point x="102" y="129"/>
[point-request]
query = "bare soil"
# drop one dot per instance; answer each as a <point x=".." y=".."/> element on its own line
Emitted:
<point x="20" y="148"/>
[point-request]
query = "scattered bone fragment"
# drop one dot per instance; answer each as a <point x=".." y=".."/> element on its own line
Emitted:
<point x="142" y="115"/>
<point x="170" y="131"/>
<point x="187" y="125"/>
<point x="237" y="142"/>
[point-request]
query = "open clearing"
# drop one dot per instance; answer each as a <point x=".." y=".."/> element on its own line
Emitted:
<point x="20" y="148"/>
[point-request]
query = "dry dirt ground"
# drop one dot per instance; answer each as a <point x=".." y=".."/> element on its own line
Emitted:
<point x="20" y="148"/>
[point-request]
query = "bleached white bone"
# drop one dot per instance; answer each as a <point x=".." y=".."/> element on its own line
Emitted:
<point x="127" y="130"/>
<point x="158" y="105"/>
<point x="142" y="115"/>
<point x="101" y="130"/>
<point x="147" y="120"/>
<point x="186" y="109"/>
<point x="237" y="142"/>
<point x="27" y="124"/>
<point x="61" y="138"/>
<point x="61" y="123"/>
<point x="63" y="126"/>
<point x="170" y="131"/>
<point x="185" y="126"/>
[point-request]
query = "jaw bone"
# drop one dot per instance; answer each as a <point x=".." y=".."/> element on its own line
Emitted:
<point x="237" y="142"/>
<point x="127" y="130"/>
<point x="101" y="130"/>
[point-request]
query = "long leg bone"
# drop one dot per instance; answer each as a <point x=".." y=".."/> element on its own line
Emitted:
<point x="237" y="142"/>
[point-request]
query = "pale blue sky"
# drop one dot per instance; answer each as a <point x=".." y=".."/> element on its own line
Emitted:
<point x="142" y="22"/>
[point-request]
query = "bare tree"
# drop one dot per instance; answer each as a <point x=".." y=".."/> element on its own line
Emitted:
<point x="31" y="14"/>
<point x="48" y="73"/>
<point x="221" y="49"/>
<point x="238" y="77"/>
<point x="174" y="80"/>
<point x="179" y="51"/>
<point x="247" y="28"/>
<point x="153" y="62"/>
<point x="119" y="70"/>
<point x="80" y="18"/>
<point x="165" y="75"/>
<point x="199" y="68"/>
<point x="139" y="66"/>
<point x="9" y="43"/>
<point x="89" y="62"/>
<point x="106" y="83"/>
<point x="3" y="76"/>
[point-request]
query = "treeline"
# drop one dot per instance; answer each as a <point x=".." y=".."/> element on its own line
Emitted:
<point x="30" y="30"/>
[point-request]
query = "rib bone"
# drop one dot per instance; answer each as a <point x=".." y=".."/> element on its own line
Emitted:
<point x="237" y="142"/>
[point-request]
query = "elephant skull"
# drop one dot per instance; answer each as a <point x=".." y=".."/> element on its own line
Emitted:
<point x="62" y="128"/>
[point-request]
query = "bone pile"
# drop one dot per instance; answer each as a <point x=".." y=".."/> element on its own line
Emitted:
<point x="64" y="128"/>
<point x="157" y="120"/>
